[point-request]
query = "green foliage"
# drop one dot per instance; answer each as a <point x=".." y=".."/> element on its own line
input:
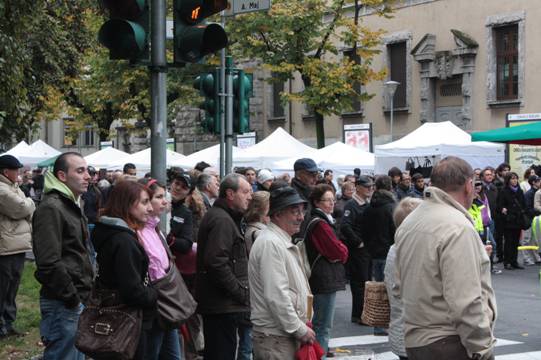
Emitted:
<point x="303" y="37"/>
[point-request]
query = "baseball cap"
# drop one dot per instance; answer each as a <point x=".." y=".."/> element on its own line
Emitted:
<point x="533" y="178"/>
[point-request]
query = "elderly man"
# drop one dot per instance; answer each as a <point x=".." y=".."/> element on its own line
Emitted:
<point x="306" y="172"/>
<point x="443" y="272"/>
<point x="15" y="239"/>
<point x="61" y="247"/>
<point x="208" y="186"/>
<point x="222" y="269"/>
<point x="279" y="287"/>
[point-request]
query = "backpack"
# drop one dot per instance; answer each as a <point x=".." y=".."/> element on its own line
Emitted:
<point x="300" y="242"/>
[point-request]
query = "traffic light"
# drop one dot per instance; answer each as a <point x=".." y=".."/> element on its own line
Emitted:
<point x="242" y="90"/>
<point x="208" y="85"/>
<point x="126" y="33"/>
<point x="194" y="40"/>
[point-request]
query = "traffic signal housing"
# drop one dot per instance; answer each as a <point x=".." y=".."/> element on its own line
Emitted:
<point x="192" y="38"/>
<point x="208" y="85"/>
<point x="126" y="33"/>
<point x="242" y="91"/>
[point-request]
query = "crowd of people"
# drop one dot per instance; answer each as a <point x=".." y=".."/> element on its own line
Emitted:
<point x="264" y="256"/>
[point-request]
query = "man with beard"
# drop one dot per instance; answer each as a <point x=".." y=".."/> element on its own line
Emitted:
<point x="403" y="188"/>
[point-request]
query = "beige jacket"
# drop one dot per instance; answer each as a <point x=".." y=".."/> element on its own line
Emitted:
<point x="15" y="219"/>
<point x="443" y="277"/>
<point x="278" y="286"/>
<point x="537" y="201"/>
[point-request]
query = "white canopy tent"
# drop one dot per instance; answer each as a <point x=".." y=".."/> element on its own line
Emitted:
<point x="104" y="158"/>
<point x="339" y="157"/>
<point x="277" y="146"/>
<point x="142" y="160"/>
<point x="434" y="141"/>
<point x="30" y="155"/>
<point x="210" y="155"/>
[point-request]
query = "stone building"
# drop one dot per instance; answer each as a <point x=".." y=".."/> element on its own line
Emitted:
<point x="470" y="62"/>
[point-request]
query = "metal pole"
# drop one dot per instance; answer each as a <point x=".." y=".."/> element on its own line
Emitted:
<point x="158" y="70"/>
<point x="392" y="110"/>
<point x="222" y="106"/>
<point x="229" y="117"/>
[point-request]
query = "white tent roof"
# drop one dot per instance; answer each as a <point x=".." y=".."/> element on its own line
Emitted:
<point x="277" y="146"/>
<point x="210" y="155"/>
<point x="104" y="158"/>
<point x="141" y="160"/>
<point x="339" y="157"/>
<point x="42" y="149"/>
<point x="30" y="155"/>
<point x="437" y="140"/>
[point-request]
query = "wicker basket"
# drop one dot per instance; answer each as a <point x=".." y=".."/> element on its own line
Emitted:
<point x="376" y="310"/>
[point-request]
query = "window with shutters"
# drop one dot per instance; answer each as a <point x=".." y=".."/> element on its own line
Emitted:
<point x="398" y="71"/>
<point x="507" y="71"/>
<point x="356" y="105"/>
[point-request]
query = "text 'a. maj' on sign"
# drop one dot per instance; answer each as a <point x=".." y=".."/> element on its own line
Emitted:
<point x="244" y="6"/>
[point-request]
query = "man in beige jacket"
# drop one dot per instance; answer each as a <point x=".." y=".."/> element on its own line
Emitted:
<point x="443" y="272"/>
<point x="15" y="239"/>
<point x="279" y="289"/>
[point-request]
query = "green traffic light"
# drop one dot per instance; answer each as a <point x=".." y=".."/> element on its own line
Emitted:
<point x="124" y="39"/>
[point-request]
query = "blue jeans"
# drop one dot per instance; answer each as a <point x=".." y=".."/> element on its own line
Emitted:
<point x="323" y="318"/>
<point x="244" y="351"/>
<point x="57" y="328"/>
<point x="378" y="269"/>
<point x="162" y="344"/>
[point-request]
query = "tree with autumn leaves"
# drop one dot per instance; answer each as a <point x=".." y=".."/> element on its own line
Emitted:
<point x="303" y="37"/>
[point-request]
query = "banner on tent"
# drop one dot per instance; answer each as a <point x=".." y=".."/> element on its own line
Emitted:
<point x="521" y="157"/>
<point x="105" y="144"/>
<point x="359" y="136"/>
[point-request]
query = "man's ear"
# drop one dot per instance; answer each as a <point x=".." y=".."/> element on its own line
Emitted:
<point x="61" y="175"/>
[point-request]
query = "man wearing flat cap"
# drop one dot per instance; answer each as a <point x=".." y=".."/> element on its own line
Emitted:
<point x="279" y="289"/>
<point x="306" y="172"/>
<point x="358" y="263"/>
<point x="15" y="239"/>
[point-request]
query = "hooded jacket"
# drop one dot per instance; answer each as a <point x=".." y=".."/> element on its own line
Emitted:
<point x="60" y="242"/>
<point x="443" y="277"/>
<point x="378" y="225"/>
<point x="123" y="264"/>
<point x="15" y="219"/>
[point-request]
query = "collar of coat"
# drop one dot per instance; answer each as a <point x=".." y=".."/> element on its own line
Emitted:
<point x="359" y="199"/>
<point x="5" y="180"/>
<point x="436" y="195"/>
<point x="281" y="234"/>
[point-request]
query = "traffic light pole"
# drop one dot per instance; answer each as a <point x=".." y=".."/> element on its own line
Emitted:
<point x="229" y="117"/>
<point x="222" y="107"/>
<point x="158" y="70"/>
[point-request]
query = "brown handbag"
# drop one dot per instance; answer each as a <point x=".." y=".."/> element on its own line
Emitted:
<point x="175" y="303"/>
<point x="107" y="328"/>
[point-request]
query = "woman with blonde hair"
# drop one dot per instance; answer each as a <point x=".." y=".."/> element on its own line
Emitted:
<point x="257" y="215"/>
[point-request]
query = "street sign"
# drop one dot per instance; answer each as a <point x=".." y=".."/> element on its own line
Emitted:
<point x="244" y="6"/>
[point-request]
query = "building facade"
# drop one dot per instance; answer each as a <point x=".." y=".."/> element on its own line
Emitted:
<point x="469" y="62"/>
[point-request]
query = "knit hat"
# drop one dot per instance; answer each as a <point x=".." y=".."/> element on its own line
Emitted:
<point x="264" y="175"/>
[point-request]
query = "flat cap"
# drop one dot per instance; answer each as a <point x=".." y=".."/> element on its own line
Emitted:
<point x="9" y="162"/>
<point x="364" y="180"/>
<point x="306" y="164"/>
<point x="284" y="197"/>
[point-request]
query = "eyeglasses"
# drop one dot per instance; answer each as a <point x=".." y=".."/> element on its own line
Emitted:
<point x="478" y="184"/>
<point x="296" y="211"/>
<point x="328" y="200"/>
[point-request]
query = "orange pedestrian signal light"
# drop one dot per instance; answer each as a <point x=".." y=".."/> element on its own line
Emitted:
<point x="195" y="13"/>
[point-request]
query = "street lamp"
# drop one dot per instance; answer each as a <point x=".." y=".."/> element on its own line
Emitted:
<point x="391" y="87"/>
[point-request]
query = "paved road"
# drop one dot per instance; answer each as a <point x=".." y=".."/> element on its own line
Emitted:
<point x="518" y="328"/>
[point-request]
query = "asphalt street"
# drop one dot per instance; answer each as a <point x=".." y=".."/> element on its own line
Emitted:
<point x="518" y="327"/>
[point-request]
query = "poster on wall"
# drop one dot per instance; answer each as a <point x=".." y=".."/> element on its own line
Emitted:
<point x="170" y="144"/>
<point x="359" y="136"/>
<point x="521" y="157"/>
<point x="246" y="140"/>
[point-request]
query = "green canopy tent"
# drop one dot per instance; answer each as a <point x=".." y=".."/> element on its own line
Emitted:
<point x="47" y="163"/>
<point x="528" y="134"/>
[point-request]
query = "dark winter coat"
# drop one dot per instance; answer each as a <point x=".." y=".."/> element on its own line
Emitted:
<point x="350" y="231"/>
<point x="529" y="200"/>
<point x="222" y="262"/>
<point x="491" y="192"/>
<point x="377" y="224"/>
<point x="303" y="190"/>
<point x="60" y="245"/>
<point x="93" y="200"/>
<point x="181" y="234"/>
<point x="513" y="201"/>
<point x="123" y="265"/>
